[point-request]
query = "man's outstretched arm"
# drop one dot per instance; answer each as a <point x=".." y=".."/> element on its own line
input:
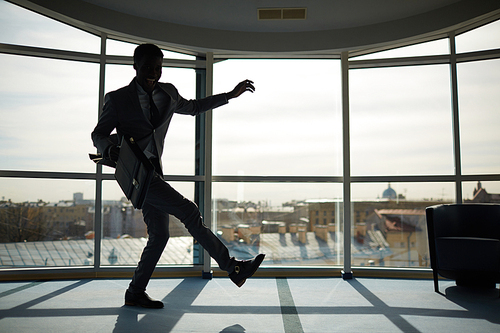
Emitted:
<point x="195" y="107"/>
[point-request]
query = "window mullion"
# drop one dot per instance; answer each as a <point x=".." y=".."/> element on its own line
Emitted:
<point x="207" y="197"/>
<point x="98" y="225"/>
<point x="347" y="272"/>
<point x="456" y="120"/>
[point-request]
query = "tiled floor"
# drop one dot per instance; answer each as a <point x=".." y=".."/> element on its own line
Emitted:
<point x="261" y="305"/>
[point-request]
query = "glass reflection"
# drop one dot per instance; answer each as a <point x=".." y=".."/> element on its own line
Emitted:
<point x="390" y="229"/>
<point x="125" y="233"/>
<point x="293" y="224"/>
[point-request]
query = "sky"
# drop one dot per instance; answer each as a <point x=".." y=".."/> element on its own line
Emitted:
<point x="291" y="125"/>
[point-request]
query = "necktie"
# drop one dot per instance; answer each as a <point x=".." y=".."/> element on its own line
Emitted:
<point x="155" y="114"/>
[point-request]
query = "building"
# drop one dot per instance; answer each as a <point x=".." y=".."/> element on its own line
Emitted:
<point x="480" y="195"/>
<point x="405" y="233"/>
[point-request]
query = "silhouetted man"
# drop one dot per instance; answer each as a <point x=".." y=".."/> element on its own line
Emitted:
<point x="143" y="110"/>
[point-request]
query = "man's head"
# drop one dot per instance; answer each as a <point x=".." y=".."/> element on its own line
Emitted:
<point x="148" y="60"/>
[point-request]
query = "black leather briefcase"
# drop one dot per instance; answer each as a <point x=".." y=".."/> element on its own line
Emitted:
<point x="133" y="172"/>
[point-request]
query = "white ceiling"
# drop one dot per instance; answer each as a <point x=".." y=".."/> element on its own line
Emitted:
<point x="231" y="27"/>
<point x="241" y="15"/>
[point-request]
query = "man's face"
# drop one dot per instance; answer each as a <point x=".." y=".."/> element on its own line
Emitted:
<point x="148" y="72"/>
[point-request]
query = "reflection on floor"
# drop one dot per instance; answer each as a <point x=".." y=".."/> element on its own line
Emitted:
<point x="261" y="305"/>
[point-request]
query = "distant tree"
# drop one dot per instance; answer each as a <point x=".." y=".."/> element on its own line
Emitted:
<point x="22" y="222"/>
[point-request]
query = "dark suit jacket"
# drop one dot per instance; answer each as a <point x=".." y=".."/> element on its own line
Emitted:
<point x="122" y="110"/>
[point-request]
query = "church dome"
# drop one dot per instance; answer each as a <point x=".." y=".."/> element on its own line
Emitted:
<point x="389" y="193"/>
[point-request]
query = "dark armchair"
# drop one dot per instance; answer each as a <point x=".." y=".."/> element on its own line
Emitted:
<point x="464" y="243"/>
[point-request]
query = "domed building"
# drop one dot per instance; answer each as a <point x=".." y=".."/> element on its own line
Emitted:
<point x="389" y="193"/>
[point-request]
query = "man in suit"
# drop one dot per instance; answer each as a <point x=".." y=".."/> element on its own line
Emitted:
<point x="143" y="110"/>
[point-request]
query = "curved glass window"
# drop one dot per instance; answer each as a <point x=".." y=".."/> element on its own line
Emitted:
<point x="437" y="47"/>
<point x="486" y="37"/>
<point x="115" y="47"/>
<point x="284" y="143"/>
<point x="24" y="27"/>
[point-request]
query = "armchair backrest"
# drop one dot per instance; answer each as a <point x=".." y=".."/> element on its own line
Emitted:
<point x="469" y="220"/>
<point x="464" y="243"/>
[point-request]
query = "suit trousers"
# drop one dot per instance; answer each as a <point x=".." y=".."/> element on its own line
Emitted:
<point x="161" y="201"/>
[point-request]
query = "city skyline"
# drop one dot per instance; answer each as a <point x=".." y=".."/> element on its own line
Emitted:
<point x="401" y="191"/>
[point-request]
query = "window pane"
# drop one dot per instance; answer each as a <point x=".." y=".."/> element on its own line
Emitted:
<point x="291" y="125"/>
<point x="24" y="27"/>
<point x="115" y="47"/>
<point x="125" y="233"/>
<point x="483" y="38"/>
<point x="481" y="192"/>
<point x="437" y="47"/>
<point x="294" y="224"/>
<point x="179" y="149"/>
<point x="46" y="222"/>
<point x="118" y="76"/>
<point x="401" y="121"/>
<point x="478" y="86"/>
<point x="48" y="110"/>
<point x="389" y="228"/>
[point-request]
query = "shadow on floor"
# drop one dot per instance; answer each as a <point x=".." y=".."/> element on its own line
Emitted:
<point x="480" y="302"/>
<point x="177" y="303"/>
<point x="234" y="329"/>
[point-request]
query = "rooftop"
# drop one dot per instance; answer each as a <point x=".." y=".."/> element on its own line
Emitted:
<point x="280" y="249"/>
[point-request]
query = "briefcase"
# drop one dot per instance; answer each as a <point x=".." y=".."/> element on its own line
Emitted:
<point x="133" y="172"/>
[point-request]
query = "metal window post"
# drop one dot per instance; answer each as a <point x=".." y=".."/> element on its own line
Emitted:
<point x="199" y="190"/>
<point x="456" y="119"/>
<point x="98" y="182"/>
<point x="207" y="197"/>
<point x="344" y="59"/>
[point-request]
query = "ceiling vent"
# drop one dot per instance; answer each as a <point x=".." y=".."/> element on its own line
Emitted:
<point x="282" y="13"/>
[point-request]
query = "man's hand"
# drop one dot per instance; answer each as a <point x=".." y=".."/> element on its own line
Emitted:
<point x="113" y="153"/>
<point x="243" y="86"/>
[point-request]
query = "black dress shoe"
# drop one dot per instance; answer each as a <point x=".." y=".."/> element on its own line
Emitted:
<point x="245" y="269"/>
<point x="141" y="299"/>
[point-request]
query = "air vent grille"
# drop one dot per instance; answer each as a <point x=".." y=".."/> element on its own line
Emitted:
<point x="282" y="13"/>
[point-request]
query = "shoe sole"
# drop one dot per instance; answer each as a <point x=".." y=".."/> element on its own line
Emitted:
<point x="147" y="307"/>
<point x="258" y="260"/>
